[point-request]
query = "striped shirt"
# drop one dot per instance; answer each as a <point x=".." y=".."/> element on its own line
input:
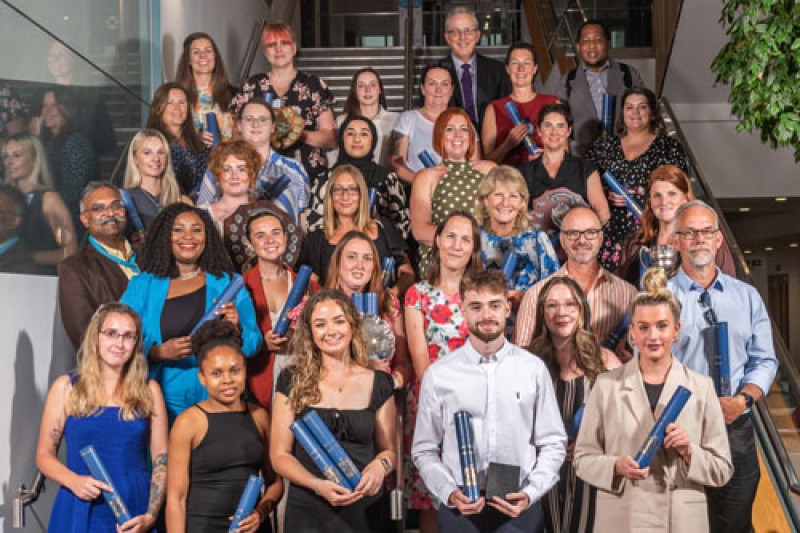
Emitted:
<point x="609" y="299"/>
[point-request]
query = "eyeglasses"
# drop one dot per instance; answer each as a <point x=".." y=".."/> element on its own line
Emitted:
<point x="574" y="235"/>
<point x="553" y="307"/>
<point x="352" y="190"/>
<point x="466" y="32"/>
<point x="114" y="336"/>
<point x="96" y="209"/>
<point x="691" y="234"/>
<point x="250" y="120"/>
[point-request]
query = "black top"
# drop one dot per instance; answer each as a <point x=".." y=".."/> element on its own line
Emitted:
<point x="317" y="251"/>
<point x="180" y="314"/>
<point x="147" y="205"/>
<point x="653" y="394"/>
<point x="35" y="229"/>
<point x="229" y="453"/>
<point x="189" y="166"/>
<point x="17" y="260"/>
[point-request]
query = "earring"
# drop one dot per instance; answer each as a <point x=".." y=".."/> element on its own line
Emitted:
<point x="630" y="341"/>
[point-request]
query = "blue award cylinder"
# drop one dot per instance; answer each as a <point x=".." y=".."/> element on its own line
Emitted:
<point x="426" y="159"/>
<point x="575" y="424"/>
<point x="509" y="267"/>
<point x="371" y="303"/>
<point x="276" y="188"/>
<point x="212" y="126"/>
<point x="616" y="334"/>
<point x="98" y="471"/>
<point x="616" y="186"/>
<point x="654" y="440"/>
<point x="516" y="119"/>
<point x="318" y="455"/>
<point x="722" y="359"/>
<point x="247" y="502"/>
<point x="466" y="455"/>
<point x="294" y="297"/>
<point x="373" y="198"/>
<point x="332" y="448"/>
<point x="227" y="296"/>
<point x="130" y="210"/>
<point x="358" y="301"/>
<point x="608" y="113"/>
<point x="388" y="266"/>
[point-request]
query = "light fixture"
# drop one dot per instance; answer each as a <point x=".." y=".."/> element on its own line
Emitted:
<point x="748" y="251"/>
<point x="768" y="248"/>
<point x="780" y="198"/>
<point x="744" y="209"/>
<point x="793" y="245"/>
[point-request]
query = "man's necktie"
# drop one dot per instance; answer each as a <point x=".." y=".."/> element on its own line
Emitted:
<point x="466" y="89"/>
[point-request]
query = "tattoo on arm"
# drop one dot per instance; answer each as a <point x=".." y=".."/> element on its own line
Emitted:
<point x="158" y="484"/>
<point x="55" y="435"/>
<point x="395" y="142"/>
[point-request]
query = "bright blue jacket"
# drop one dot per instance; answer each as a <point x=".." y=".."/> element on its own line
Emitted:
<point x="146" y="294"/>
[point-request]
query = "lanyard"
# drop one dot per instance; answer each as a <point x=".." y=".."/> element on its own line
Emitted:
<point x="8" y="244"/>
<point x="130" y="263"/>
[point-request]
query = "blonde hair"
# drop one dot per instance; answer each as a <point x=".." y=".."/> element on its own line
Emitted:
<point x="329" y="217"/>
<point x="170" y="192"/>
<point x="88" y="396"/>
<point x="42" y="177"/>
<point x="655" y="293"/>
<point x="306" y="362"/>
<point x="513" y="178"/>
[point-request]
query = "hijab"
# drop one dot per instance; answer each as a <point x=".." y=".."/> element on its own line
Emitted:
<point x="374" y="174"/>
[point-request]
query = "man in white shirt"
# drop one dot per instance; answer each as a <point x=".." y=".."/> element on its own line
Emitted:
<point x="515" y="417"/>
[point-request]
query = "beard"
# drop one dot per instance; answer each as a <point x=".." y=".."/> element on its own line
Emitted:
<point x="484" y="334"/>
<point x="701" y="257"/>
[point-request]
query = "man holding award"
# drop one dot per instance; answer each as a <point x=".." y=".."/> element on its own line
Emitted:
<point x="489" y="440"/>
<point x="727" y="335"/>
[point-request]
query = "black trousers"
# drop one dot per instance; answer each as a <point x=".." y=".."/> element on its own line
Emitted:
<point x="730" y="508"/>
<point x="491" y="521"/>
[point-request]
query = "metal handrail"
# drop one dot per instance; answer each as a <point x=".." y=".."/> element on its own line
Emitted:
<point x="26" y="497"/>
<point x="251" y="50"/>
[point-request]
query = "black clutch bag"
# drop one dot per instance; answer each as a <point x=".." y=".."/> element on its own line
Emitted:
<point x="500" y="480"/>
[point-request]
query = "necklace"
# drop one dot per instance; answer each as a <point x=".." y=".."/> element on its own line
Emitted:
<point x="189" y="275"/>
<point x="280" y="275"/>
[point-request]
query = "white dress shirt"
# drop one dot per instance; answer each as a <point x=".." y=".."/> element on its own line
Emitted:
<point x="515" y="419"/>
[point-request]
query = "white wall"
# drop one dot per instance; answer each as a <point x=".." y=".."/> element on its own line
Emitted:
<point x="35" y="351"/>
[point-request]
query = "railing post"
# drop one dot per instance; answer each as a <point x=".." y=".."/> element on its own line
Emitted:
<point x="408" y="59"/>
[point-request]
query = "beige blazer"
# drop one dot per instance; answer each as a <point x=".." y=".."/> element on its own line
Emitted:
<point x="616" y="422"/>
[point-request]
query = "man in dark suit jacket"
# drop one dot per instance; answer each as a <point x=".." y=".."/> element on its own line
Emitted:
<point x="14" y="255"/>
<point x="489" y="78"/>
<point x="98" y="273"/>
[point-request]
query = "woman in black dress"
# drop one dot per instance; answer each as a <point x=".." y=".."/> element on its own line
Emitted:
<point x="207" y="475"/>
<point x="330" y="374"/>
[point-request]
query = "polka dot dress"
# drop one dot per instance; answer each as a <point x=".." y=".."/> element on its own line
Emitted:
<point x="455" y="191"/>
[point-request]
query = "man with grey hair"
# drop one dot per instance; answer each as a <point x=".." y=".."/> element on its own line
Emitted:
<point x="99" y="272"/>
<point x="478" y="79"/>
<point x="709" y="297"/>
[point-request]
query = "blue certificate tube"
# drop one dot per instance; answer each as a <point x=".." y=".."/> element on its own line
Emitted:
<point x="722" y="360"/>
<point x="212" y="126"/>
<point x="227" y="296"/>
<point x="619" y="331"/>
<point x="509" y="267"/>
<point x="388" y="271"/>
<point x="276" y="188"/>
<point x="247" y="502"/>
<point x="295" y="295"/>
<point x="332" y="448"/>
<point x="616" y="186"/>
<point x="318" y="455"/>
<point x="466" y="455"/>
<point x="654" y="440"/>
<point x="608" y="113"/>
<point x="373" y="198"/>
<point x="98" y="471"/>
<point x="130" y="210"/>
<point x="358" y="302"/>
<point x="516" y="119"/>
<point x="426" y="159"/>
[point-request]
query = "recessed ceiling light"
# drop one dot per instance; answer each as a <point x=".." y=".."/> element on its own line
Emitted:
<point x="748" y="251"/>
<point x="744" y="209"/>
<point x="768" y="248"/>
<point x="781" y="199"/>
<point x="793" y="245"/>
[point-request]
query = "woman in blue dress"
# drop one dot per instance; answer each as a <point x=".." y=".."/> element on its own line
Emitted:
<point x="110" y="404"/>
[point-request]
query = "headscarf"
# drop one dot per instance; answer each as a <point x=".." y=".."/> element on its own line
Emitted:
<point x="374" y="174"/>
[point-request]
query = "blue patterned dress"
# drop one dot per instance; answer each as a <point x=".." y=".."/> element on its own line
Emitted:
<point x="536" y="258"/>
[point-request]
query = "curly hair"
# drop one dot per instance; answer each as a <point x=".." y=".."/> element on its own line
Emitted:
<point x="170" y="191"/>
<point x="240" y="149"/>
<point x="352" y="107"/>
<point x="675" y="177"/>
<point x="306" y="363"/>
<point x="511" y="177"/>
<point x="220" y="86"/>
<point x="656" y="292"/>
<point x="588" y="351"/>
<point x="88" y="394"/>
<point x="474" y="263"/>
<point x="441" y="124"/>
<point x="330" y="218"/>
<point x="213" y="334"/>
<point x="375" y="281"/>
<point x="157" y="255"/>
<point x="188" y="134"/>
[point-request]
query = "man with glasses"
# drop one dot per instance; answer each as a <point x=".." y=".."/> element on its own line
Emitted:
<point x="709" y="297"/>
<point x="479" y="79"/>
<point x="609" y="296"/>
<point x="583" y="87"/>
<point x="99" y="272"/>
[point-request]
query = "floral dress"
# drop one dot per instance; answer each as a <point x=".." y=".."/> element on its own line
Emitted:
<point x="206" y="105"/>
<point x="607" y="154"/>
<point x="445" y="330"/>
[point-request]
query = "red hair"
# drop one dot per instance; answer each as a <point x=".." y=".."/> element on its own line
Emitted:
<point x="441" y="124"/>
<point x="278" y="29"/>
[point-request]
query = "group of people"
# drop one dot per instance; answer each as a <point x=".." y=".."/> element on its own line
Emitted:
<point x="505" y="275"/>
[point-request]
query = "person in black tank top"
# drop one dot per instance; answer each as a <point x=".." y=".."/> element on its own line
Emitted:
<point x="217" y="444"/>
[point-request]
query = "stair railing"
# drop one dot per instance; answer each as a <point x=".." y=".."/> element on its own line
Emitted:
<point x="25" y="498"/>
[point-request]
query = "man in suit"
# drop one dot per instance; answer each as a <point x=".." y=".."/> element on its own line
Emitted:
<point x="583" y="87"/>
<point x="478" y="79"/>
<point x="98" y="273"/>
<point x="14" y="255"/>
<point x="710" y="297"/>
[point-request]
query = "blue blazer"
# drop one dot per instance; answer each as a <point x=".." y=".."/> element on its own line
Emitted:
<point x="146" y="294"/>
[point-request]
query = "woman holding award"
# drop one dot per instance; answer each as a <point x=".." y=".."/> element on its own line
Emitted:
<point x="667" y="495"/>
<point x="329" y="374"/>
<point x="184" y="270"/>
<point x="109" y="404"/>
<point x="207" y="475"/>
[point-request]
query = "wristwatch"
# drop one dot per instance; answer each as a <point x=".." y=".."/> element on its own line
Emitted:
<point x="386" y="464"/>
<point x="748" y="399"/>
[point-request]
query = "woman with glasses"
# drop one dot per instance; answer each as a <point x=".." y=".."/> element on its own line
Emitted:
<point x="668" y="189"/>
<point x="346" y="209"/>
<point x="110" y="404"/>
<point x="564" y="340"/>
<point x="502" y="140"/>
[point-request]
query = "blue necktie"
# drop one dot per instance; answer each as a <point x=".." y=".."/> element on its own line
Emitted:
<point x="466" y="89"/>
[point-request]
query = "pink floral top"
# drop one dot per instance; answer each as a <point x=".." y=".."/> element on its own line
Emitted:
<point x="445" y="327"/>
